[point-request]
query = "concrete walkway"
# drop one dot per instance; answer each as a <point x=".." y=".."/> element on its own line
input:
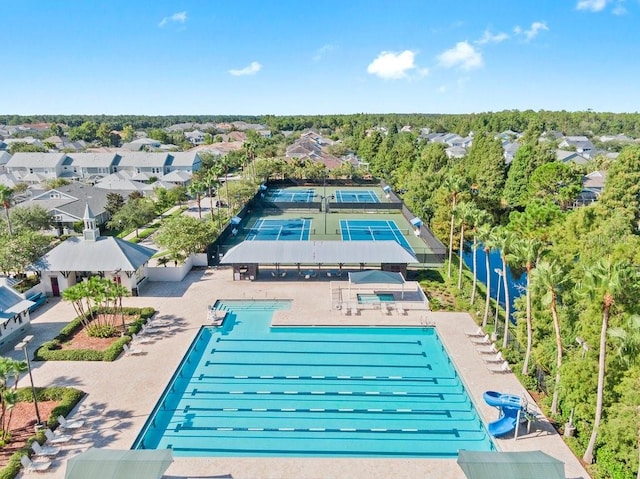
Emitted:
<point x="122" y="394"/>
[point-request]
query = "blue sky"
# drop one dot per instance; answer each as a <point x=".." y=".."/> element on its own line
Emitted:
<point x="331" y="56"/>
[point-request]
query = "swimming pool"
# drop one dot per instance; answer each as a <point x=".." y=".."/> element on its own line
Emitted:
<point x="376" y="298"/>
<point x="247" y="389"/>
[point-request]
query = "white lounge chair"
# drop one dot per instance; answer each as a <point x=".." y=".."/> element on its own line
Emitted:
<point x="490" y="349"/>
<point x="140" y="340"/>
<point x="54" y="438"/>
<point x="44" y="450"/>
<point x="483" y="340"/>
<point x="77" y="424"/>
<point x="502" y="368"/>
<point x="400" y="309"/>
<point x="495" y="359"/>
<point x="354" y="310"/>
<point x="131" y="352"/>
<point x="38" y="465"/>
<point x="478" y="333"/>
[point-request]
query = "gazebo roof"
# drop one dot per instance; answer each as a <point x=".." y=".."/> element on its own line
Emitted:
<point x="106" y="253"/>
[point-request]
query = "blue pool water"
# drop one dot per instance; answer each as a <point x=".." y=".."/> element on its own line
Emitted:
<point x="247" y="389"/>
<point x="376" y="298"/>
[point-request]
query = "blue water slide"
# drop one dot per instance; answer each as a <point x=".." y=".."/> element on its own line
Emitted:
<point x="509" y="405"/>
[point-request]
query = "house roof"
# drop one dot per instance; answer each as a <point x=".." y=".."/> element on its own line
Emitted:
<point x="4" y="157"/>
<point x="94" y="160"/>
<point x="322" y="252"/>
<point x="106" y="253"/>
<point x="184" y="158"/>
<point x="122" y="185"/>
<point x="177" y="176"/>
<point x="36" y="160"/>
<point x="144" y="159"/>
<point x="594" y="180"/>
<point x="11" y="303"/>
<point x="70" y="199"/>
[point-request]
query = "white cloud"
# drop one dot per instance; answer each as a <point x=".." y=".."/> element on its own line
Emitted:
<point x="488" y="37"/>
<point x="463" y="56"/>
<point x="251" y="69"/>
<point x="619" y="9"/>
<point x="323" y="51"/>
<point x="592" y="5"/>
<point x="179" y="17"/>
<point x="536" y="27"/>
<point x="391" y="65"/>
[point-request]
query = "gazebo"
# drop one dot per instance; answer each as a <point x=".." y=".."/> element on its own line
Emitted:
<point x="81" y="257"/>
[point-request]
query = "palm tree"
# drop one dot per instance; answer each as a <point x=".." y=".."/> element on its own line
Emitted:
<point x="462" y="212"/>
<point x="502" y="241"/>
<point x="6" y="195"/>
<point x="454" y="185"/>
<point x="527" y="252"/>
<point x="196" y="188"/>
<point x="604" y="281"/>
<point x="549" y="276"/>
<point x="477" y="219"/>
<point x="486" y="235"/>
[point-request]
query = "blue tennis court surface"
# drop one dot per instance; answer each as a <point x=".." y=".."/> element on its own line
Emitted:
<point x="290" y="196"/>
<point x="356" y="196"/>
<point x="296" y="229"/>
<point x="373" y="230"/>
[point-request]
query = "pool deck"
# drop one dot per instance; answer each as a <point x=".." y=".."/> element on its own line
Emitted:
<point x="122" y="394"/>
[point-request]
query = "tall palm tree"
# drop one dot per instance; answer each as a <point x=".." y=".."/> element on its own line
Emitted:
<point x="526" y="252"/>
<point x="486" y="235"/>
<point x="550" y="277"/>
<point x="462" y="213"/>
<point x="6" y="196"/>
<point x="195" y="189"/>
<point x="502" y="241"/>
<point x="604" y="281"/>
<point x="477" y="219"/>
<point x="454" y="185"/>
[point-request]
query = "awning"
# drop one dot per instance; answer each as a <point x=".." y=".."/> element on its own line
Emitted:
<point x="417" y="222"/>
<point x="507" y="465"/>
<point x="236" y="220"/>
<point x="375" y="276"/>
<point x="119" y="464"/>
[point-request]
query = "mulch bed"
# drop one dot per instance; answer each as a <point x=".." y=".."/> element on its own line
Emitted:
<point x="22" y="425"/>
<point x="81" y="340"/>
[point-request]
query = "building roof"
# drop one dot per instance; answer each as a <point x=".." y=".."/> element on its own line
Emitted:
<point x="320" y="252"/>
<point x="177" y="176"/>
<point x="184" y="158"/>
<point x="144" y="159"/>
<point x="36" y="160"/>
<point x="93" y="160"/>
<point x="106" y="253"/>
<point x="11" y="303"/>
<point x="70" y="199"/>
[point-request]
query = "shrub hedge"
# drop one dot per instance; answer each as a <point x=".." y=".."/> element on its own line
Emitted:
<point x="68" y="398"/>
<point x="51" y="350"/>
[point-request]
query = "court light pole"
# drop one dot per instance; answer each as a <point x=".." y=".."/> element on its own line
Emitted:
<point x="22" y="346"/>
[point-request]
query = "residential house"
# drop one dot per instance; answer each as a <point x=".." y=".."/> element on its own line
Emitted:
<point x="33" y="168"/>
<point x="92" y="166"/>
<point x="142" y="143"/>
<point x="153" y="164"/>
<point x="27" y="139"/>
<point x="195" y="137"/>
<point x="592" y="187"/>
<point x="109" y="257"/>
<point x="14" y="314"/>
<point x="619" y="138"/>
<point x="123" y="183"/>
<point x="66" y="204"/>
<point x="510" y="150"/>
<point x="187" y="161"/>
<point x="582" y="145"/>
<point x="63" y="143"/>
<point x="571" y="156"/>
<point x="455" y="152"/>
<point x="4" y="159"/>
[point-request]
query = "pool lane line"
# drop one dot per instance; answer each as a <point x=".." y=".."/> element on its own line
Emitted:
<point x="440" y="432"/>
<point x="414" y="379"/>
<point x="439" y="396"/>
<point x="324" y="353"/>
<point x="320" y="341"/>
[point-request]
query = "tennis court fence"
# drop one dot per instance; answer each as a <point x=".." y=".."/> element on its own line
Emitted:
<point x="366" y="206"/>
<point x="289" y="205"/>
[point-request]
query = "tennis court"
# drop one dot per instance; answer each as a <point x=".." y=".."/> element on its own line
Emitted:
<point x="290" y="195"/>
<point x="356" y="196"/>
<point x="294" y="229"/>
<point x="373" y="230"/>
